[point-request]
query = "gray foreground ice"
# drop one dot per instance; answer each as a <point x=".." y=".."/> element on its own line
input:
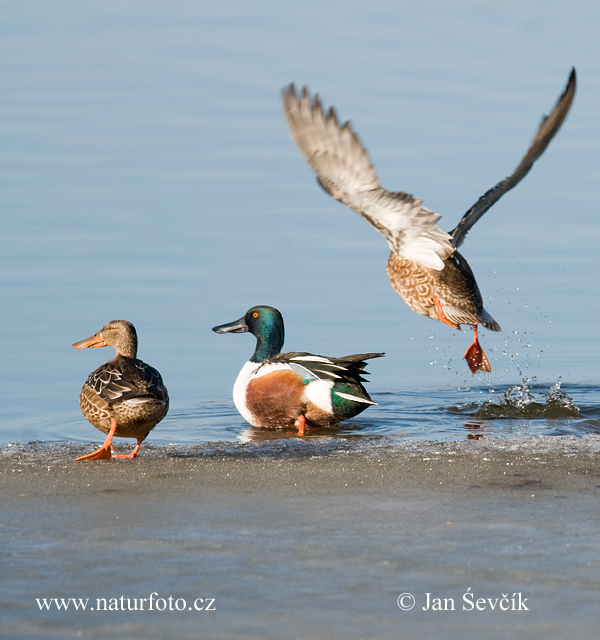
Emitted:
<point x="298" y="539"/>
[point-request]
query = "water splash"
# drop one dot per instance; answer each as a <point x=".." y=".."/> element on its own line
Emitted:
<point x="518" y="401"/>
<point x="557" y="398"/>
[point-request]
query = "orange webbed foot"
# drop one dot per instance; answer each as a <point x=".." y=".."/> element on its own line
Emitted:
<point x="476" y="359"/>
<point x="103" y="453"/>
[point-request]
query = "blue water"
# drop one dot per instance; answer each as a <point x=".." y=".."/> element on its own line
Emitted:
<point x="146" y="174"/>
<point x="438" y="414"/>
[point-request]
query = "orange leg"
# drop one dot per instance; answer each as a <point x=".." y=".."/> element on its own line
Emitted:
<point x="133" y="454"/>
<point x="442" y="315"/>
<point x="301" y="425"/>
<point x="104" y="452"/>
<point x="475" y="357"/>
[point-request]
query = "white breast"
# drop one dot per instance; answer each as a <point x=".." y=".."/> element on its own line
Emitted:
<point x="239" y="389"/>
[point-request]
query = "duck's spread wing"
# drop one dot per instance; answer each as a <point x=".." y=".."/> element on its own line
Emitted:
<point x="547" y="130"/>
<point x="344" y="170"/>
<point x="335" y="152"/>
<point x="123" y="379"/>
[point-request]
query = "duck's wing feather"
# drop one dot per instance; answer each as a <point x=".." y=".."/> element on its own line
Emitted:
<point x="346" y="369"/>
<point x="125" y="379"/>
<point x="549" y="126"/>
<point x="345" y="172"/>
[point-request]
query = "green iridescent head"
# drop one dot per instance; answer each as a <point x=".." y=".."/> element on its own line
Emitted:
<point x="263" y="322"/>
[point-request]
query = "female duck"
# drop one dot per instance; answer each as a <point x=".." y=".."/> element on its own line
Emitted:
<point x="124" y="397"/>
<point x="424" y="266"/>
<point x="277" y="389"/>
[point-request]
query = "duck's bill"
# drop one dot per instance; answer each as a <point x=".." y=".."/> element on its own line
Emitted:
<point x="237" y="326"/>
<point x="92" y="342"/>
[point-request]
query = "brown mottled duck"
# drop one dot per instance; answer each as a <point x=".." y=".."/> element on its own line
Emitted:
<point x="124" y="397"/>
<point x="424" y="264"/>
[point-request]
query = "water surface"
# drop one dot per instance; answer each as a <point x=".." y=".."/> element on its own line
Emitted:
<point x="146" y="174"/>
<point x="436" y="414"/>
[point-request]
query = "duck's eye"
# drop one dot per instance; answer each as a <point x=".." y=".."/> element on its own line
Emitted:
<point x="255" y="315"/>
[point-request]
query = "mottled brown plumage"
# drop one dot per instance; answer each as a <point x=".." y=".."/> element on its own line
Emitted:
<point x="124" y="397"/>
<point x="424" y="266"/>
<point x="454" y="287"/>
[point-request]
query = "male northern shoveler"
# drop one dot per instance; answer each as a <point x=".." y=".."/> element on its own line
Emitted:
<point x="424" y="266"/>
<point x="124" y="397"/>
<point x="276" y="389"/>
